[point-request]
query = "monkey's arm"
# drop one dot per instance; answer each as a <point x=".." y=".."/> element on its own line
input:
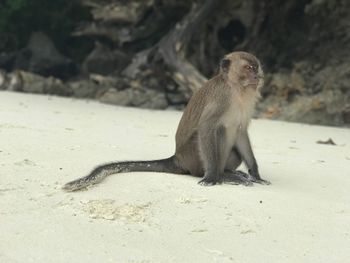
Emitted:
<point x="212" y="137"/>
<point x="211" y="152"/>
<point x="244" y="148"/>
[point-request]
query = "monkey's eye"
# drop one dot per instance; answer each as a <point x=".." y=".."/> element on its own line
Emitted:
<point x="249" y="67"/>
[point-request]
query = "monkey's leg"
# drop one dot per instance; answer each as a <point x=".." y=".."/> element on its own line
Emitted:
<point x="212" y="152"/>
<point x="232" y="176"/>
<point x="244" y="149"/>
<point x="233" y="161"/>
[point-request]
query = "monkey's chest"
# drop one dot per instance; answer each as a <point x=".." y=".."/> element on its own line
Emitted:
<point x="234" y="121"/>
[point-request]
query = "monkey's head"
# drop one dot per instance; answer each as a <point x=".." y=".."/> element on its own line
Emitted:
<point x="243" y="69"/>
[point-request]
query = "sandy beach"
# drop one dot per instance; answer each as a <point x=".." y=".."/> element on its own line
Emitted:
<point x="303" y="216"/>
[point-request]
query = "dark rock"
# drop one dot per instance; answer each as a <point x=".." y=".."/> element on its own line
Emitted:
<point x="285" y="85"/>
<point x="141" y="97"/>
<point x="346" y="114"/>
<point x="308" y="93"/>
<point x="176" y="98"/>
<point x="94" y="86"/>
<point x="325" y="108"/>
<point x="123" y="12"/>
<point x="104" y="61"/>
<point x="15" y="81"/>
<point x="33" y="83"/>
<point x="41" y="57"/>
<point x="84" y="88"/>
<point x="7" y="60"/>
<point x="11" y="81"/>
<point x="3" y="80"/>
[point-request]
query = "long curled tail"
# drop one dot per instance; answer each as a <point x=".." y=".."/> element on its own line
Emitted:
<point x="98" y="174"/>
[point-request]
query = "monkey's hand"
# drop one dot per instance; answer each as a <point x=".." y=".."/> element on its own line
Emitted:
<point x="259" y="181"/>
<point x="210" y="180"/>
<point x="255" y="177"/>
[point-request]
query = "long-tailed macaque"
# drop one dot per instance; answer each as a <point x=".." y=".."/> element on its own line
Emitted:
<point x="212" y="138"/>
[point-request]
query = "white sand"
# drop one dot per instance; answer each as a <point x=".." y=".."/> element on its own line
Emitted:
<point x="304" y="216"/>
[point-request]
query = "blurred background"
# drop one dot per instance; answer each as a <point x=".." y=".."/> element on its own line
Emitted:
<point x="155" y="53"/>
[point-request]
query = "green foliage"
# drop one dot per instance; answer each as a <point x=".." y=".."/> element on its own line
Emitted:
<point x="7" y="9"/>
<point x="19" y="18"/>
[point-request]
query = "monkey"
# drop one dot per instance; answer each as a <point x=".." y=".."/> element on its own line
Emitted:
<point x="211" y="138"/>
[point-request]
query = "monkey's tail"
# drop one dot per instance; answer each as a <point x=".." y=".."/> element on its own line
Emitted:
<point x="98" y="174"/>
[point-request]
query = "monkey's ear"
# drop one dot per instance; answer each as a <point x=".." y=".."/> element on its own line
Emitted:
<point x="225" y="64"/>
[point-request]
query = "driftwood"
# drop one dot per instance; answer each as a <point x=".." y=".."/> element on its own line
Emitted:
<point x="114" y="20"/>
<point x="170" y="50"/>
<point x="129" y="12"/>
<point x="172" y="47"/>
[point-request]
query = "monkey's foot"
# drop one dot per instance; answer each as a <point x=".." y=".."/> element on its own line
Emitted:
<point x="209" y="181"/>
<point x="237" y="177"/>
<point x="240" y="174"/>
<point x="260" y="181"/>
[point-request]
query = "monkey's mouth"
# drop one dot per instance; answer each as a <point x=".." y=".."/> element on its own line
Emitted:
<point x="254" y="81"/>
<point x="252" y="84"/>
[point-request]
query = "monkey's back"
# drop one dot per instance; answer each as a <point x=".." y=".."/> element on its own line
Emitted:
<point x="187" y="150"/>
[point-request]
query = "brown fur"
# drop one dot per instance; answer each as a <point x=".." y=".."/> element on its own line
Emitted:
<point x="223" y="99"/>
<point x="212" y="138"/>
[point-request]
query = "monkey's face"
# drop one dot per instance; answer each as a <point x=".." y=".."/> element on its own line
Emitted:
<point x="243" y="69"/>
